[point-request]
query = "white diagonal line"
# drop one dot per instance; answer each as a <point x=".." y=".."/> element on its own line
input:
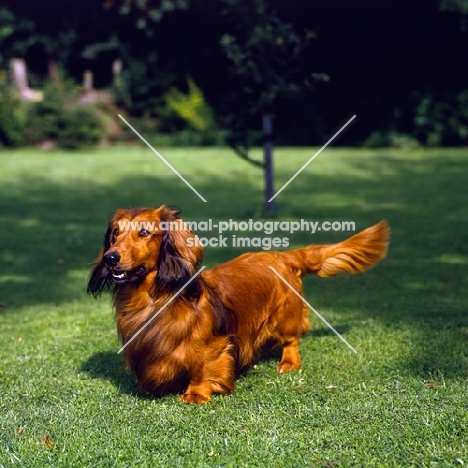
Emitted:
<point x="312" y="158"/>
<point x="313" y="310"/>
<point x="161" y="309"/>
<point x="162" y="159"/>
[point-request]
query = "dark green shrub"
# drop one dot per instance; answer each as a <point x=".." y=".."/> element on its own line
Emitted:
<point x="443" y="120"/>
<point x="12" y="117"/>
<point x="188" y="138"/>
<point x="79" y="126"/>
<point x="390" y="139"/>
<point x="58" y="118"/>
<point x="43" y="121"/>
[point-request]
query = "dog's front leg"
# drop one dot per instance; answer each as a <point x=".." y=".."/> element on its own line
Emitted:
<point x="215" y="375"/>
<point x="197" y="393"/>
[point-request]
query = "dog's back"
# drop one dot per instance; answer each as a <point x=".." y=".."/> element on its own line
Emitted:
<point x="258" y="288"/>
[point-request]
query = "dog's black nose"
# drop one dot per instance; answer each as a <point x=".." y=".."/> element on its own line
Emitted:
<point x="111" y="259"/>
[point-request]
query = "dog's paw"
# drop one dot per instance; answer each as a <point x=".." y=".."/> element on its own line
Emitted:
<point x="195" y="398"/>
<point x="286" y="366"/>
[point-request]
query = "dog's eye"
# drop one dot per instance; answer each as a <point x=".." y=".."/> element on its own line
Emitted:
<point x="115" y="233"/>
<point x="144" y="233"/>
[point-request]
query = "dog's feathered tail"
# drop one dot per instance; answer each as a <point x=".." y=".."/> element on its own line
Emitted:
<point x="353" y="255"/>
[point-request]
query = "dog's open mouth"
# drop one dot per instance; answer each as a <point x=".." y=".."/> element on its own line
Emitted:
<point x="120" y="276"/>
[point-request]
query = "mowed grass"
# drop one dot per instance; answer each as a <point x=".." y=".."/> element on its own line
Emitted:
<point x="402" y="400"/>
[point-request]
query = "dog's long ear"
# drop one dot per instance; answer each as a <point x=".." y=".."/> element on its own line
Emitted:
<point x="99" y="277"/>
<point x="179" y="256"/>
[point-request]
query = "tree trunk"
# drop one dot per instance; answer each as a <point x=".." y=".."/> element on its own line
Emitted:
<point x="270" y="207"/>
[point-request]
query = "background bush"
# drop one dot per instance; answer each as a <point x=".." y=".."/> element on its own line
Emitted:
<point x="190" y="137"/>
<point x="192" y="107"/>
<point x="443" y="120"/>
<point x="59" y="118"/>
<point x="79" y="126"/>
<point x="391" y="139"/>
<point x="13" y="116"/>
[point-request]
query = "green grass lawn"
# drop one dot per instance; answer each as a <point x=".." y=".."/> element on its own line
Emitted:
<point x="402" y="400"/>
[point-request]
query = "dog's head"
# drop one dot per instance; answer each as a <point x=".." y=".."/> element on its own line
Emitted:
<point x="143" y="241"/>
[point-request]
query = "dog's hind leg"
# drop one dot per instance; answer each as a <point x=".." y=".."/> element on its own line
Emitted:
<point x="290" y="359"/>
<point x="295" y="322"/>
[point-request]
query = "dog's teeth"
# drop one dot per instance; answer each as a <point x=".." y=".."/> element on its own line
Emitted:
<point x="122" y="275"/>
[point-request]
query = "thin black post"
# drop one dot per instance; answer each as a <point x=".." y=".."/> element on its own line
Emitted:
<point x="268" y="159"/>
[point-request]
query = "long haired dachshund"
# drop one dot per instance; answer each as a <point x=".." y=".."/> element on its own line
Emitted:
<point x="216" y="327"/>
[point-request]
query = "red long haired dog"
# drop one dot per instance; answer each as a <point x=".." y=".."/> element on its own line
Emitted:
<point x="219" y="323"/>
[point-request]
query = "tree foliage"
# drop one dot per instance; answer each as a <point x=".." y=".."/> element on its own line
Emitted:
<point x="16" y="36"/>
<point x="143" y="13"/>
<point x="460" y="6"/>
<point x="455" y="5"/>
<point x="264" y="52"/>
